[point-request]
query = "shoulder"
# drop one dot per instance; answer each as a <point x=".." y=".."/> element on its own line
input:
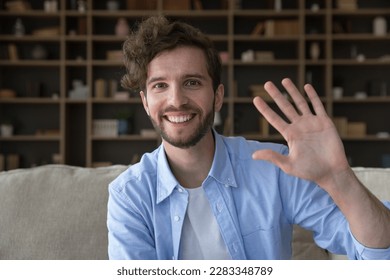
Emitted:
<point x="139" y="176"/>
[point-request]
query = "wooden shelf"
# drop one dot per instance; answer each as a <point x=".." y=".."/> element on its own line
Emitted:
<point x="82" y="56"/>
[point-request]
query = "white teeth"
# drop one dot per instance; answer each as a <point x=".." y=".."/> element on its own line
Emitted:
<point x="179" y="119"/>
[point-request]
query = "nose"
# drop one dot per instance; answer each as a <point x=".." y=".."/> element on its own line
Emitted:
<point x="177" y="96"/>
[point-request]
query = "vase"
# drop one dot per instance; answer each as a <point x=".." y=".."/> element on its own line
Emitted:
<point x="314" y="51"/>
<point x="19" y="29"/>
<point x="112" y="5"/>
<point x="6" y="130"/>
<point x="380" y="26"/>
<point x="123" y="127"/>
<point x="122" y="27"/>
<point x="39" y="52"/>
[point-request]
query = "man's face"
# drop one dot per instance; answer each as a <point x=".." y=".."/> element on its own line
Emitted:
<point x="180" y="99"/>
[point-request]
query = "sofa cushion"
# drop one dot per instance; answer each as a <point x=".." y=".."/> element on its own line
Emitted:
<point x="55" y="212"/>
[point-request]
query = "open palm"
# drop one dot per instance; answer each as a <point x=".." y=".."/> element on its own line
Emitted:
<point x="315" y="148"/>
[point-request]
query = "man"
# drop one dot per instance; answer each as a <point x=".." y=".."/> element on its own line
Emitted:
<point x="204" y="196"/>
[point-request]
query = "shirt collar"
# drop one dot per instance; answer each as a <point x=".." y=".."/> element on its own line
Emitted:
<point x="221" y="170"/>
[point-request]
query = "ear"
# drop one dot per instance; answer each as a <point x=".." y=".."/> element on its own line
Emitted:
<point x="219" y="94"/>
<point x="144" y="102"/>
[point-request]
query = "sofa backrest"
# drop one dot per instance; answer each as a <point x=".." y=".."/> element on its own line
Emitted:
<point x="55" y="212"/>
<point x="59" y="212"/>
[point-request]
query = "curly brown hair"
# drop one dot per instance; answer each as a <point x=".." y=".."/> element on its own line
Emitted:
<point x="157" y="34"/>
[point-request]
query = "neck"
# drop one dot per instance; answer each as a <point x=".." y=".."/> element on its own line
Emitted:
<point x="191" y="165"/>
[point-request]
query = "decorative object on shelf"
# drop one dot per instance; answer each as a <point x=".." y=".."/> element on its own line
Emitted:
<point x="278" y="5"/>
<point x="39" y="52"/>
<point x="386" y="160"/>
<point x="121" y="95"/>
<point x="79" y="91"/>
<point x="105" y="127"/>
<point x="18" y="6"/>
<point x="122" y="27"/>
<point x="341" y="124"/>
<point x="315" y="50"/>
<point x="116" y="55"/>
<point x="360" y="57"/>
<point x="112" y="5"/>
<point x="47" y="132"/>
<point x="125" y="122"/>
<point x="356" y="129"/>
<point x="13" y="53"/>
<point x="315" y="7"/>
<point x="12" y="161"/>
<point x="360" y="95"/>
<point x="224" y="55"/>
<point x="82" y="6"/>
<point x="264" y="56"/>
<point x="19" y="29"/>
<point x="47" y="31"/>
<point x="56" y="158"/>
<point x="7" y="93"/>
<point x="347" y="4"/>
<point x="383" y="134"/>
<point x="337" y="93"/>
<point x="379" y="26"/>
<point x="100" y="88"/>
<point x="6" y="129"/>
<point x="50" y="6"/>
<point x="248" y="56"/>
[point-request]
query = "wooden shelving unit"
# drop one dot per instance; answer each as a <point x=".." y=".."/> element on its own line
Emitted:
<point x="50" y="126"/>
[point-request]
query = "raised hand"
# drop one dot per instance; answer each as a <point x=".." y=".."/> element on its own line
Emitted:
<point x="316" y="152"/>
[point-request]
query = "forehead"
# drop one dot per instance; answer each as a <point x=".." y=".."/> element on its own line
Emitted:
<point x="180" y="60"/>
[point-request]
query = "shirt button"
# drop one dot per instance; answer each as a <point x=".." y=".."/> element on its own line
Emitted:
<point x="219" y="207"/>
<point x="176" y="218"/>
<point x="180" y="190"/>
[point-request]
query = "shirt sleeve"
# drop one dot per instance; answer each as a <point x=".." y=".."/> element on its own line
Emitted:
<point x="309" y="206"/>
<point x="128" y="235"/>
<point x="366" y="253"/>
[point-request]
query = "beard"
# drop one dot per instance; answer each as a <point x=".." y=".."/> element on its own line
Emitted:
<point x="196" y="135"/>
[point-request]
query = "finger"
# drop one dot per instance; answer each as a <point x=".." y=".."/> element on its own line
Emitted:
<point x="283" y="104"/>
<point x="274" y="119"/>
<point x="268" y="155"/>
<point x="315" y="100"/>
<point x="297" y="97"/>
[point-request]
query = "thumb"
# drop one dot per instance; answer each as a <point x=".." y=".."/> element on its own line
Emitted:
<point x="271" y="156"/>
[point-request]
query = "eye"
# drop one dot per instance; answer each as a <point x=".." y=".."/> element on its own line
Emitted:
<point x="160" y="85"/>
<point x="192" y="83"/>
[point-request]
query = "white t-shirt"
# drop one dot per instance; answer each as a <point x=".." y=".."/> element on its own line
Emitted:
<point x="200" y="237"/>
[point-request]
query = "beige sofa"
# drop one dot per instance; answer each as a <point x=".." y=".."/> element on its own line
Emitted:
<point x="59" y="212"/>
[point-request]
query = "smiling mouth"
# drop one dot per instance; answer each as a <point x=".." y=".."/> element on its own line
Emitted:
<point x="180" y="119"/>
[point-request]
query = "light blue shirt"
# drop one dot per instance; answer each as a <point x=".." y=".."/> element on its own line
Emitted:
<point x="254" y="202"/>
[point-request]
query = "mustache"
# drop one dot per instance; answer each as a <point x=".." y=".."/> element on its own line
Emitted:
<point x="184" y="107"/>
